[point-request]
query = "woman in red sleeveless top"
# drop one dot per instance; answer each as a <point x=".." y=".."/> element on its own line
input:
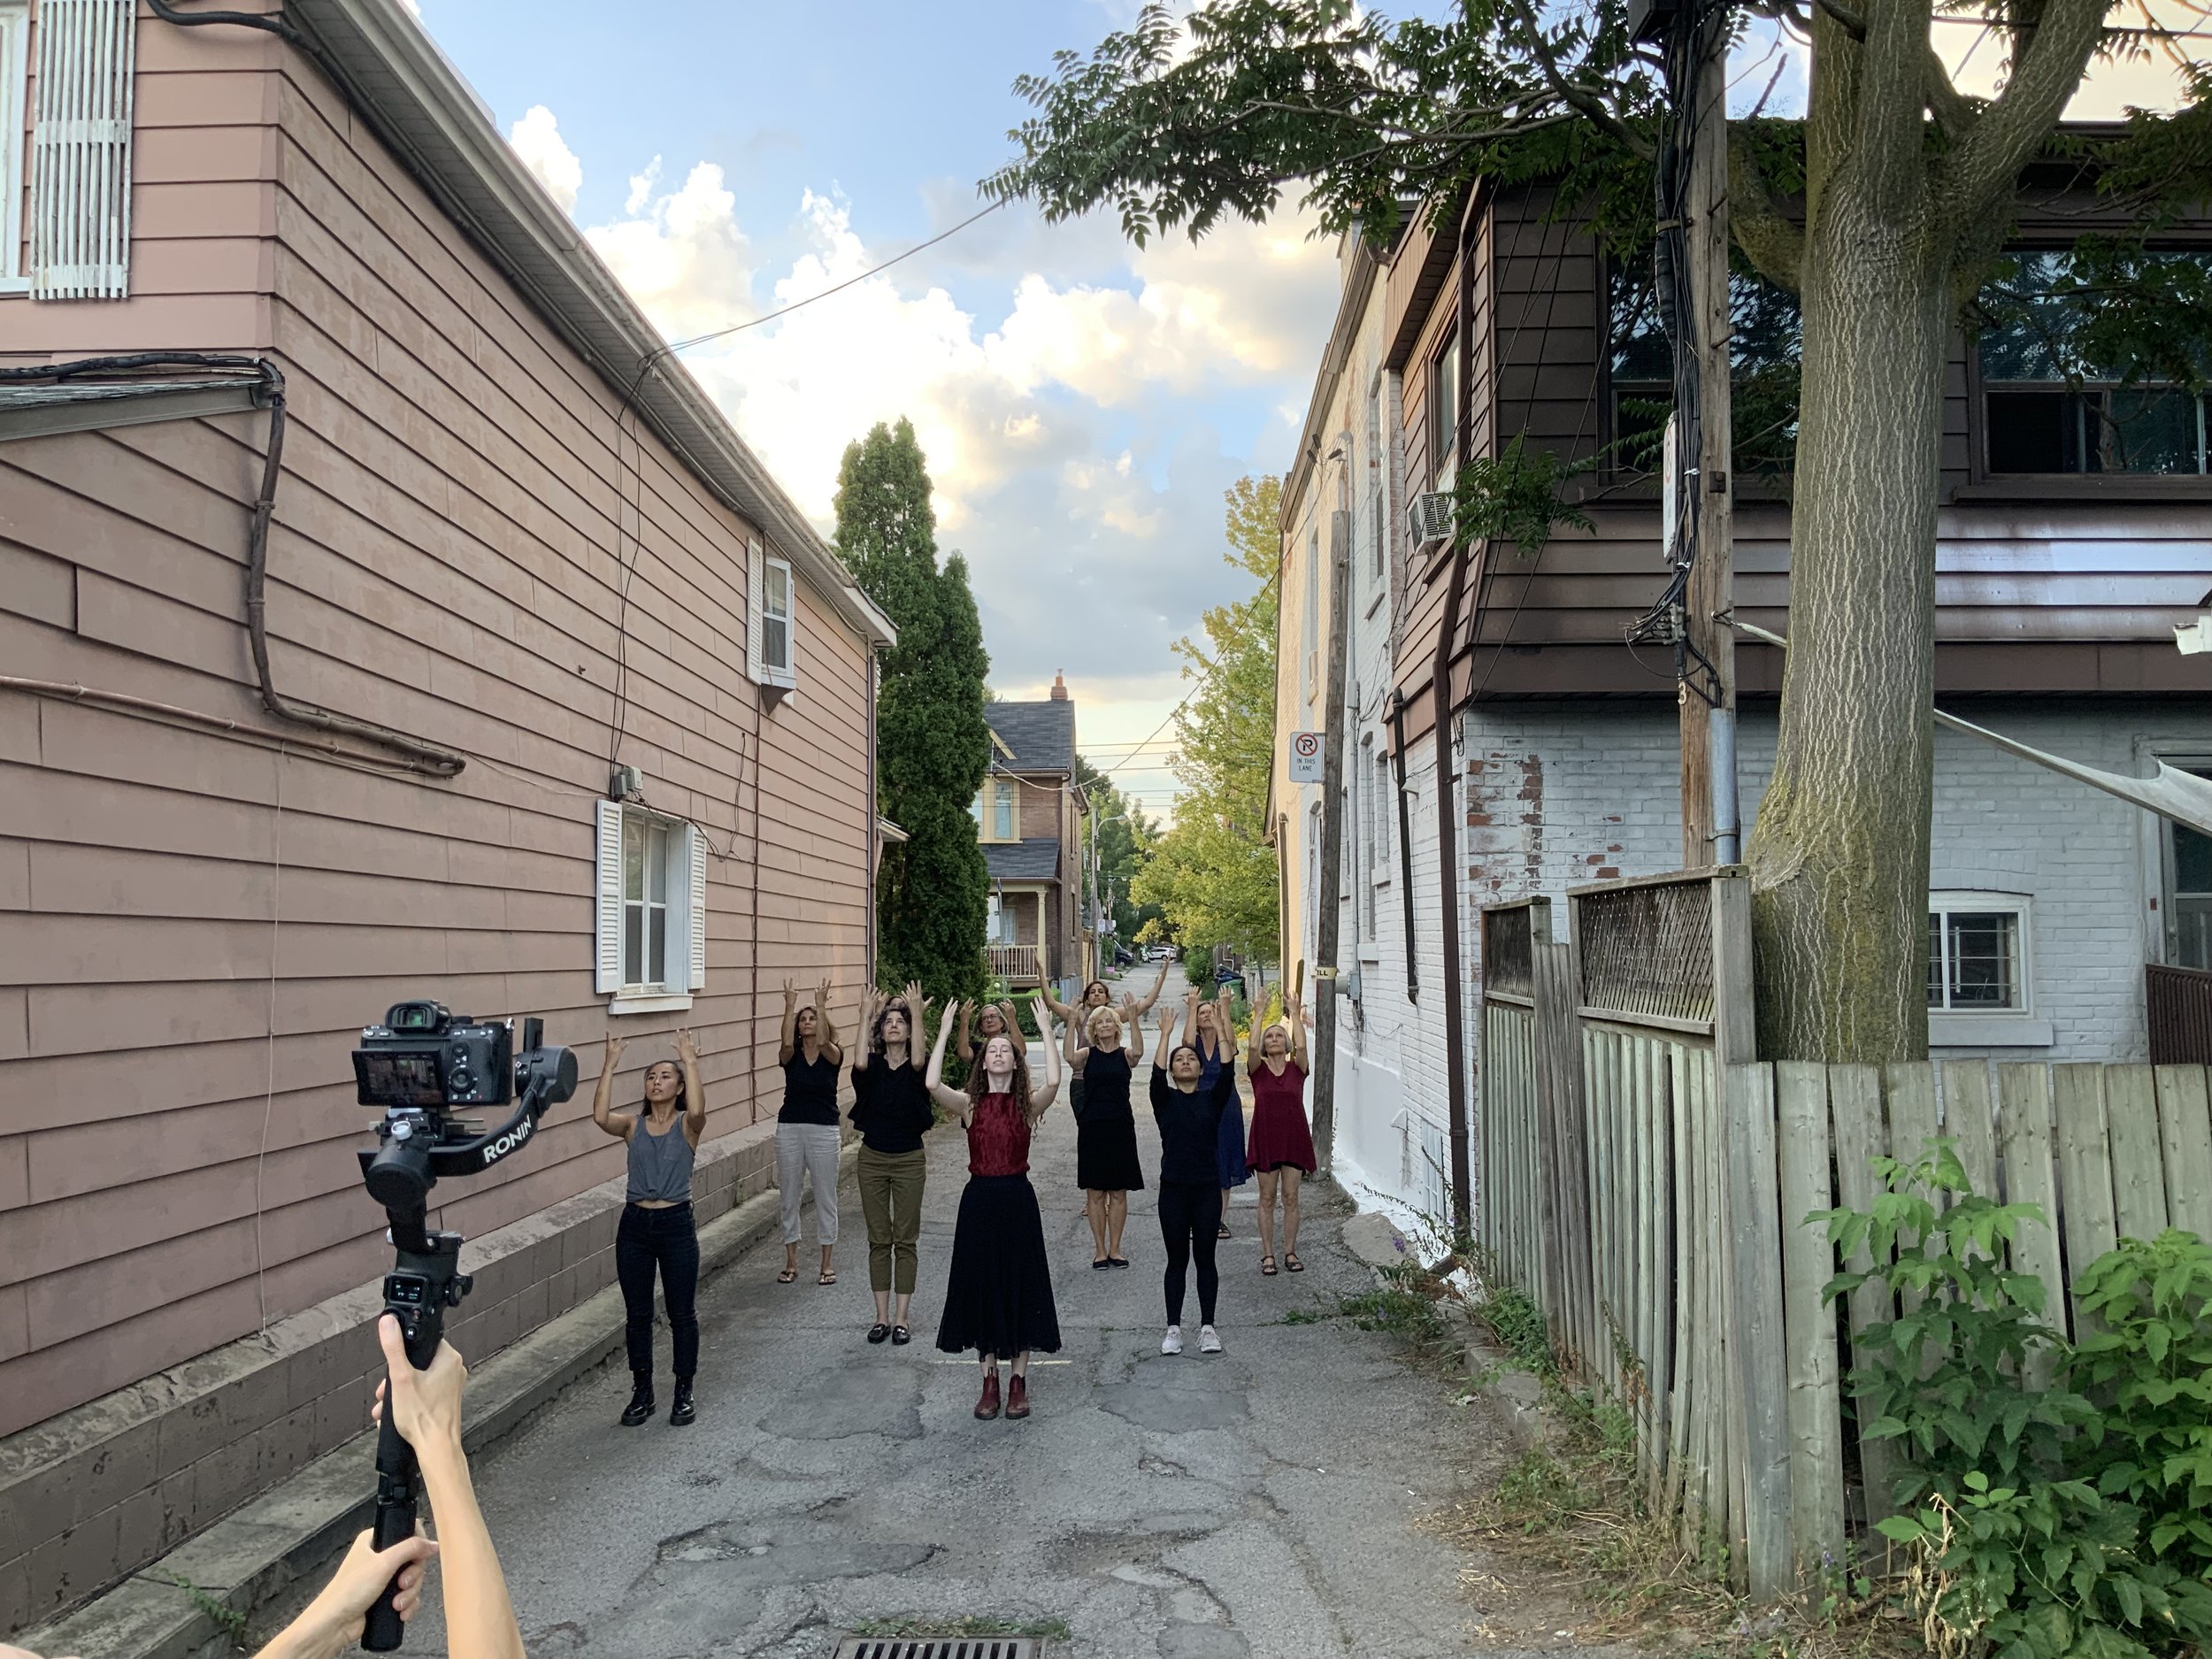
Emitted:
<point x="998" y="1297"/>
<point x="1282" y="1141"/>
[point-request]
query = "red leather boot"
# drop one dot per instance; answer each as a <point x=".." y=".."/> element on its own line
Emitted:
<point x="1017" y="1396"/>
<point x="986" y="1407"/>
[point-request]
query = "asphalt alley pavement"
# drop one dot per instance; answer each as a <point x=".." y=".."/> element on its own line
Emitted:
<point x="1263" y="1502"/>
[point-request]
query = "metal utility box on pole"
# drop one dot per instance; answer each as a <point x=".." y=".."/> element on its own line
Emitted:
<point x="1326" y="900"/>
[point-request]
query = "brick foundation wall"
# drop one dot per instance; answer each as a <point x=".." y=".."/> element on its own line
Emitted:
<point x="98" y="1492"/>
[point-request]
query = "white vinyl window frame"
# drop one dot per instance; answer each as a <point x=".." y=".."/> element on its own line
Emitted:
<point x="79" y="232"/>
<point x="1957" y="957"/>
<point x="15" y="80"/>
<point x="997" y="811"/>
<point x="650" y="928"/>
<point x="771" y="635"/>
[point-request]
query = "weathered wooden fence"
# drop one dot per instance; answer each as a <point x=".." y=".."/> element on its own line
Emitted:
<point x="1646" y="1180"/>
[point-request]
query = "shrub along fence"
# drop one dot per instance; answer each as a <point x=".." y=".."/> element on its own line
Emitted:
<point x="1647" y="1181"/>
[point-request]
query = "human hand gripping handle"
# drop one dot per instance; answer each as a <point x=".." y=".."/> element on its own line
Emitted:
<point x="420" y="1411"/>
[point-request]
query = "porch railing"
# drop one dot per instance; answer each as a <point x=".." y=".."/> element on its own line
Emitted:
<point x="1017" y="964"/>
<point x="2178" y="1004"/>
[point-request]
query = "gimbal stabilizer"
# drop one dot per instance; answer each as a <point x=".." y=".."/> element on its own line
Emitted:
<point x="415" y="1065"/>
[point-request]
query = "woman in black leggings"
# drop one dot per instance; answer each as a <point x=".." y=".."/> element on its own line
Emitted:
<point x="1189" y="1117"/>
<point x="657" y="1233"/>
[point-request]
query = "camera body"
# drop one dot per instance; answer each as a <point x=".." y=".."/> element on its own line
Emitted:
<point x="424" y="1056"/>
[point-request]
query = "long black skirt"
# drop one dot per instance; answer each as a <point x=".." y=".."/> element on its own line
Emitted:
<point x="998" y="1297"/>
<point x="1106" y="1148"/>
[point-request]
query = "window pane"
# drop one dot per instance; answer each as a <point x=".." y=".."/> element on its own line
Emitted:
<point x="2032" y="432"/>
<point x="778" y="591"/>
<point x="656" y="944"/>
<point x="657" y="862"/>
<point x="1003" y="823"/>
<point x="633" y="857"/>
<point x="2151" y="430"/>
<point x="1935" y="962"/>
<point x="775" y="641"/>
<point x="2192" y="861"/>
<point x="1984" y="959"/>
<point x="633" y="944"/>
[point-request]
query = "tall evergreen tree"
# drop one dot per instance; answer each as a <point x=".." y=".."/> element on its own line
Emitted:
<point x="931" y="743"/>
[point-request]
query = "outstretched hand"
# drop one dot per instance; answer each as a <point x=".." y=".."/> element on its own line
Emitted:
<point x="686" y="1046"/>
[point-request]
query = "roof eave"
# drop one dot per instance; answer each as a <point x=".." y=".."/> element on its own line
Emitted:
<point x="428" y="117"/>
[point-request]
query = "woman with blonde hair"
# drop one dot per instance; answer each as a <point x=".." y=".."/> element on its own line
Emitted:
<point x="998" y="1296"/>
<point x="1102" y="1051"/>
<point x="1282" y="1141"/>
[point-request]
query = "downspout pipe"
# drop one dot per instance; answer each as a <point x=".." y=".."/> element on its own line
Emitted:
<point x="1405" y="845"/>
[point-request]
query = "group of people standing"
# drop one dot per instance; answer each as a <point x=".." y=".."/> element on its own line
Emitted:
<point x="999" y="1301"/>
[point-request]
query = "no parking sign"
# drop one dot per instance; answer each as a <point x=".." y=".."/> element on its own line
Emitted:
<point x="1305" y="757"/>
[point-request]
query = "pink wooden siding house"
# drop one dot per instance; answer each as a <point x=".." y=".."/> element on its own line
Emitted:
<point x="260" y="779"/>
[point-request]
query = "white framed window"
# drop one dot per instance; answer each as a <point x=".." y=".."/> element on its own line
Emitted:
<point x="772" y="643"/>
<point x="999" y="925"/>
<point x="997" y="810"/>
<point x="1977" y="952"/>
<point x="2187" y="855"/>
<point x="651" y="942"/>
<point x="15" y="35"/>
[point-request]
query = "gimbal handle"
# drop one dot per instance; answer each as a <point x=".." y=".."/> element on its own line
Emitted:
<point x="422" y="1327"/>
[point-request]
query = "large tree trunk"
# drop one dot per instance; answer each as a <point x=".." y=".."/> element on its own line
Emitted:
<point x="1840" y="856"/>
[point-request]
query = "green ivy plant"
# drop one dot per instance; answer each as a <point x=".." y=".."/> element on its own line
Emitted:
<point x="2149" y="1369"/>
<point x="1944" y="1377"/>
<point x="2066" y="1521"/>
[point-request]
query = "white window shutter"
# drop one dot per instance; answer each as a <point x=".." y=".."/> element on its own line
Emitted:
<point x="756" y="598"/>
<point x="81" y="150"/>
<point x="609" y="897"/>
<point x="697" y="916"/>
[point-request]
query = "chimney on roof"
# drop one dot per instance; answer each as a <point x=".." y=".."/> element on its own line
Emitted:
<point x="1059" y="687"/>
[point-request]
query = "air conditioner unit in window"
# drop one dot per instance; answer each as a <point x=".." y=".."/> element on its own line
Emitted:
<point x="1429" y="516"/>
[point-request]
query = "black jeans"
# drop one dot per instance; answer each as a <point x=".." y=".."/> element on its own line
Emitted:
<point x="667" y="1239"/>
<point x="1190" y="1215"/>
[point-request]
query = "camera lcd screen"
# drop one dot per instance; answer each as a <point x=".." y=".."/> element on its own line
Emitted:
<point x="400" y="1079"/>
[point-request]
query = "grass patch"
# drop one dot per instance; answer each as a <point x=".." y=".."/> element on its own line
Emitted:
<point x="972" y="1626"/>
<point x="1302" y="1316"/>
<point x="1404" y="1306"/>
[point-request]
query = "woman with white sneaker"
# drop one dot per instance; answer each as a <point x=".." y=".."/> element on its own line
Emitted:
<point x="1189" y="1114"/>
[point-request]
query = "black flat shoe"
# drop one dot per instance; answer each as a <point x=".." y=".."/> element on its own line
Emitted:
<point x="1102" y="1265"/>
<point x="1116" y="1260"/>
<point x="901" y="1336"/>
<point x="682" y="1411"/>
<point x="878" y="1331"/>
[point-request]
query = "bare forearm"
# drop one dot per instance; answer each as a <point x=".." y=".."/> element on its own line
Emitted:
<point x="480" y="1618"/>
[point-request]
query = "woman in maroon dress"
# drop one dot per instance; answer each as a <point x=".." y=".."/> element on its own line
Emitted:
<point x="998" y="1297"/>
<point x="1281" y="1150"/>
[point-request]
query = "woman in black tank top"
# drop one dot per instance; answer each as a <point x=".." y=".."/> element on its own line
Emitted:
<point x="1103" y="1045"/>
<point x="656" y="1234"/>
<point x="806" y="1129"/>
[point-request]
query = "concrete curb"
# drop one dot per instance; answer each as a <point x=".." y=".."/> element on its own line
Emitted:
<point x="293" y="1531"/>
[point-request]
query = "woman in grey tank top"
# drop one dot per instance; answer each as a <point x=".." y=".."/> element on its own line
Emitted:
<point x="656" y="1234"/>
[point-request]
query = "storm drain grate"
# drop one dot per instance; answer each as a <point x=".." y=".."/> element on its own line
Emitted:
<point x="938" y="1648"/>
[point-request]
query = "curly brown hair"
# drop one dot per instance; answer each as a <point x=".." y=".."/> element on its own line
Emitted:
<point x="978" y="1077"/>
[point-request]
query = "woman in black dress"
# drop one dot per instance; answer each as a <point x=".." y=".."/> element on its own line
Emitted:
<point x="1097" y="993"/>
<point x="998" y="1297"/>
<point x="1106" y="1166"/>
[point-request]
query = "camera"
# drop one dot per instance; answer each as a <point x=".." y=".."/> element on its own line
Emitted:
<point x="422" y="1061"/>
<point x="424" y="1055"/>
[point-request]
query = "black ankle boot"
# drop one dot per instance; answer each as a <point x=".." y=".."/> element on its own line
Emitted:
<point x="682" y="1411"/>
<point x="641" y="1406"/>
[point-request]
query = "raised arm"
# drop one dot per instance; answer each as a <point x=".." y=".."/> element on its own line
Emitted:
<point x="953" y="1100"/>
<point x="616" y="1124"/>
<point x="1054" y="1004"/>
<point x="825" y="1027"/>
<point x="1294" y="1014"/>
<point x="1167" y="1035"/>
<point x="1133" y="1028"/>
<point x="1145" y="1006"/>
<point x="1041" y="1098"/>
<point x="1077" y="1047"/>
<point x="695" y="1094"/>
<point x="872" y="1003"/>
<point x="917" y="1017"/>
<point x="1252" y="1041"/>
<point x="787" y="1033"/>
<point x="960" y="1045"/>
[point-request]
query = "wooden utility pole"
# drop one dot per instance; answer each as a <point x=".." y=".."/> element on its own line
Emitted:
<point x="1326" y="900"/>
<point x="1710" y="832"/>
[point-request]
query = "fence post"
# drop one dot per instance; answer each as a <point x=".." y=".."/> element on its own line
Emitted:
<point x="1558" y="1050"/>
<point x="1758" y="1437"/>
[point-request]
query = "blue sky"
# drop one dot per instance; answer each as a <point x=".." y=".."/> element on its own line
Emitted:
<point x="1084" y="404"/>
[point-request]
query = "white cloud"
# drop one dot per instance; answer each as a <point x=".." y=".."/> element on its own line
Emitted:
<point x="537" y="140"/>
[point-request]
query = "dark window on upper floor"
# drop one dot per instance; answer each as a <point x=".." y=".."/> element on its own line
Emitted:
<point x="2067" y="387"/>
<point x="1444" y="412"/>
<point x="1765" y="346"/>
